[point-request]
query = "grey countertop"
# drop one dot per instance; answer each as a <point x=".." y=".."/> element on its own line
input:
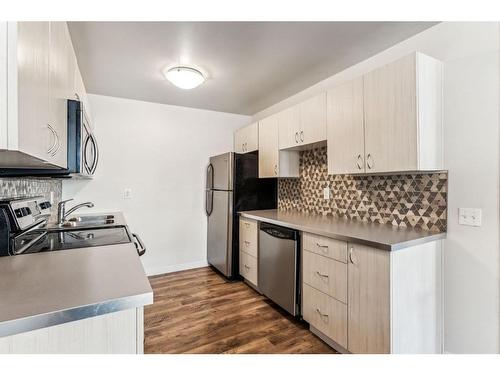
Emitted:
<point x="381" y="236"/>
<point x="44" y="289"/>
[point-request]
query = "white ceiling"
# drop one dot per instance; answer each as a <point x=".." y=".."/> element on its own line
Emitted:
<point x="251" y="65"/>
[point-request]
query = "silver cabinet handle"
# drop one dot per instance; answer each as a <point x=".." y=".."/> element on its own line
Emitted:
<point x="51" y="148"/>
<point x="322" y="274"/>
<point x="276" y="169"/>
<point x="359" y="162"/>
<point x="302" y="136"/>
<point x="77" y="97"/>
<point x="247" y="225"/>
<point x="296" y="137"/>
<point x="247" y="266"/>
<point x="320" y="313"/>
<point x="247" y="242"/>
<point x="321" y="246"/>
<point x="352" y="258"/>
<point x="58" y="144"/>
<point x="368" y="159"/>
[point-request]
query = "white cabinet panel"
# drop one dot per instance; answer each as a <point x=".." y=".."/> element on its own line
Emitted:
<point x="246" y="139"/>
<point x="313" y="119"/>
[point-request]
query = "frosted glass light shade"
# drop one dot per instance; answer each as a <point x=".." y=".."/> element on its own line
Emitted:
<point x="184" y="77"/>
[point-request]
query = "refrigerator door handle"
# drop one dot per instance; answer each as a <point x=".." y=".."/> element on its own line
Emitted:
<point x="210" y="177"/>
<point x="209" y="196"/>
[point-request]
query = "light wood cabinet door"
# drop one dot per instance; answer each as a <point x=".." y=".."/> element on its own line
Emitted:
<point x="326" y="275"/>
<point x="248" y="267"/>
<point x="368" y="300"/>
<point x="268" y="147"/>
<point x="289" y="127"/>
<point x="61" y="81"/>
<point x="249" y="237"/>
<point x="391" y="117"/>
<point x="345" y="129"/>
<point x="325" y="246"/>
<point x="246" y="139"/>
<point x="326" y="314"/>
<point x="33" y="88"/>
<point x="313" y="119"/>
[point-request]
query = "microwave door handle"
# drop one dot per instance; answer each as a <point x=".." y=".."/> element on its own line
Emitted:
<point x="84" y="154"/>
<point x="96" y="154"/>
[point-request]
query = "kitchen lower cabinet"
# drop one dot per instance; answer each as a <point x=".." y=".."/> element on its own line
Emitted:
<point x="120" y="332"/>
<point x="379" y="301"/>
<point x="246" y="139"/>
<point x="249" y="242"/>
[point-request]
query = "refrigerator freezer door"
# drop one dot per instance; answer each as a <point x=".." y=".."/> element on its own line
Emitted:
<point x="220" y="229"/>
<point x="221" y="176"/>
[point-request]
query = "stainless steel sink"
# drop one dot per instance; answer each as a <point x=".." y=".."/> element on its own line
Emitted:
<point x="89" y="221"/>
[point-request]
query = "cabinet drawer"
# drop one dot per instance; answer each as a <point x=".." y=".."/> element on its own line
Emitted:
<point x="248" y="267"/>
<point x="326" y="275"/>
<point x="325" y="246"/>
<point x="248" y="237"/>
<point x="326" y="314"/>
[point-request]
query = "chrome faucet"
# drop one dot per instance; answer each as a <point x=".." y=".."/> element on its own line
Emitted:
<point x="62" y="214"/>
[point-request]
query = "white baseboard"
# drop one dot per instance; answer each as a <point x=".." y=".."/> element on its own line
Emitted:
<point x="152" y="271"/>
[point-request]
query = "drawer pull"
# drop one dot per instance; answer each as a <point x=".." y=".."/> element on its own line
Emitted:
<point x="247" y="243"/>
<point x="247" y="266"/>
<point x="247" y="225"/>
<point x="321" y="274"/>
<point x="321" y="314"/>
<point x="322" y="246"/>
<point x="352" y="257"/>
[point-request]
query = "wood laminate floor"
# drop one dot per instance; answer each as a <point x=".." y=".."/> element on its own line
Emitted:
<point x="198" y="311"/>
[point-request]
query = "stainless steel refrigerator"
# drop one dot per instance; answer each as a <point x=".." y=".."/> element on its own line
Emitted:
<point x="232" y="185"/>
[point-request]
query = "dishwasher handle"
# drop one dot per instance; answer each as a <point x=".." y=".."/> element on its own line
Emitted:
<point x="279" y="232"/>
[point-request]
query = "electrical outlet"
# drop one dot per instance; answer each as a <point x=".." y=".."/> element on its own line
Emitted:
<point x="326" y="193"/>
<point x="470" y="216"/>
<point x="127" y="193"/>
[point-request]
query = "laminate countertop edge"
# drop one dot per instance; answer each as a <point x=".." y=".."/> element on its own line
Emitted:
<point x="380" y="236"/>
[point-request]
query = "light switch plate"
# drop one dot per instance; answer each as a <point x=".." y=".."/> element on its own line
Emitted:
<point x="326" y="193"/>
<point x="127" y="193"/>
<point x="470" y="216"/>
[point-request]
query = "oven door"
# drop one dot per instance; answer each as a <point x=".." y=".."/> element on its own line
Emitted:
<point x="89" y="156"/>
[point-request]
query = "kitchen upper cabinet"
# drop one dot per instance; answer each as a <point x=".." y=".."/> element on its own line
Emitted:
<point x="61" y="83"/>
<point x="403" y="115"/>
<point x="289" y="127"/>
<point x="246" y="139"/>
<point x="368" y="300"/>
<point x="28" y="66"/>
<point x="345" y="130"/>
<point x="303" y="124"/>
<point x="268" y="147"/>
<point x="313" y="119"/>
<point x="39" y="62"/>
<point x="272" y="161"/>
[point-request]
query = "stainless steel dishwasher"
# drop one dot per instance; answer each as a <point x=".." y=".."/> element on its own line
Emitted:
<point x="279" y="266"/>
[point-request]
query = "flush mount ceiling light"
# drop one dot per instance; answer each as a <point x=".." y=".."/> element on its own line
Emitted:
<point x="184" y="77"/>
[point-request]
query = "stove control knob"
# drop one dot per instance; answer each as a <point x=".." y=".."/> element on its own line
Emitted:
<point x="19" y="212"/>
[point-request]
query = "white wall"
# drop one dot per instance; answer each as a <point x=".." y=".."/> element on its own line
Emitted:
<point x="160" y="152"/>
<point x="470" y="52"/>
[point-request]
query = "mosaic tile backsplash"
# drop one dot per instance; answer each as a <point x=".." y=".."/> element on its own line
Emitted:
<point x="11" y="187"/>
<point x="406" y="200"/>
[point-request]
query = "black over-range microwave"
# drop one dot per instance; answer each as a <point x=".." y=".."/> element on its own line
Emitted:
<point x="83" y="151"/>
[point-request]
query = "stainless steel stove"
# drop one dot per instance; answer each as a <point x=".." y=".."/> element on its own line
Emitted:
<point x="24" y="230"/>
